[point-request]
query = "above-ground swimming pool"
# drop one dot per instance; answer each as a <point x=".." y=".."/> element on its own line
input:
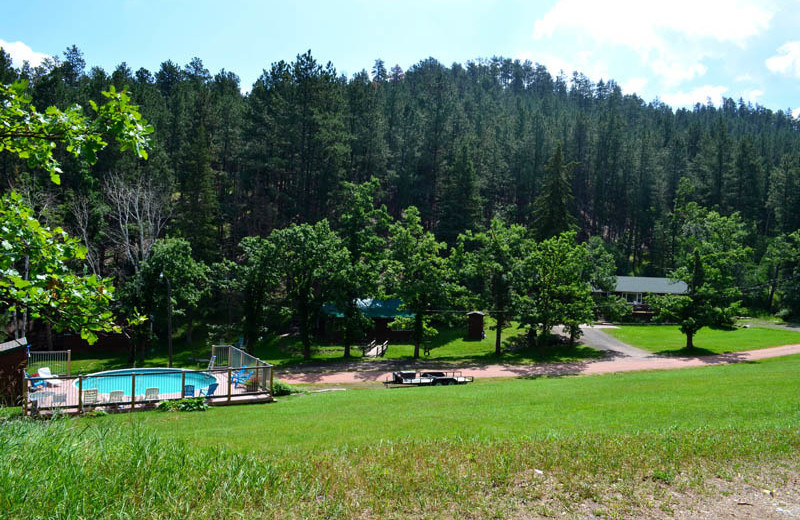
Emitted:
<point x="167" y="380"/>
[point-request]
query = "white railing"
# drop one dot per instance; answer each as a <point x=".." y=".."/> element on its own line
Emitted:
<point x="230" y="356"/>
<point x="59" y="362"/>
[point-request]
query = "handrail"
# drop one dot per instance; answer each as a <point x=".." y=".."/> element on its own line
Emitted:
<point x="69" y="394"/>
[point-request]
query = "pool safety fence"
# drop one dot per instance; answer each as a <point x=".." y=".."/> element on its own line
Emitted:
<point x="230" y="356"/>
<point x="139" y="389"/>
<point x="58" y="361"/>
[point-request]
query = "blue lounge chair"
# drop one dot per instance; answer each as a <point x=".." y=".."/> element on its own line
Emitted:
<point x="36" y="382"/>
<point x="240" y="377"/>
<point x="210" y="390"/>
<point x="188" y="391"/>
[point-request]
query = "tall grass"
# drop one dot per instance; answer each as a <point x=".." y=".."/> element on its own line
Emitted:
<point x="66" y="469"/>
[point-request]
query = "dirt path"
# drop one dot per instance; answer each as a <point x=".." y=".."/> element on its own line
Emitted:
<point x="595" y="337"/>
<point x="620" y="358"/>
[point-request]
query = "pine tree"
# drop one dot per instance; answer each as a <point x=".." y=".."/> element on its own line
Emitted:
<point x="552" y="210"/>
<point x="461" y="203"/>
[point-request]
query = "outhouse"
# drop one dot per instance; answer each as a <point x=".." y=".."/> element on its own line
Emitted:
<point x="475" y="325"/>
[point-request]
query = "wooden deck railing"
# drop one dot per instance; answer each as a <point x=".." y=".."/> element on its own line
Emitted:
<point x="131" y="391"/>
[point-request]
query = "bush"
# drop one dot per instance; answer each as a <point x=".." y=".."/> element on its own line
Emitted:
<point x="96" y="413"/>
<point x="280" y="388"/>
<point x="192" y="404"/>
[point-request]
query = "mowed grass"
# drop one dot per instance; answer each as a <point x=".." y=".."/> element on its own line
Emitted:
<point x="608" y="446"/>
<point x="668" y="339"/>
<point x="448" y="346"/>
<point x="750" y="396"/>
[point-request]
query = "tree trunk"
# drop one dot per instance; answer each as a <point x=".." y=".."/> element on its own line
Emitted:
<point x="531" y="337"/>
<point x="48" y="330"/>
<point x="304" y="332"/>
<point x="772" y="287"/>
<point x="689" y="340"/>
<point x="417" y="333"/>
<point x="189" y="326"/>
<point x="498" y="346"/>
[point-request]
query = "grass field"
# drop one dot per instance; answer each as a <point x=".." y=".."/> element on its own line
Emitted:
<point x="449" y="346"/>
<point x="606" y="446"/>
<point x="767" y="394"/>
<point x="668" y="339"/>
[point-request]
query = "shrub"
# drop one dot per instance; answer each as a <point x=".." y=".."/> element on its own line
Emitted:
<point x="280" y="388"/>
<point x="96" y="413"/>
<point x="192" y="404"/>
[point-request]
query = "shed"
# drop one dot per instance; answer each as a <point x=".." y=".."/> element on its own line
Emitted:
<point x="13" y="357"/>
<point x="475" y="325"/>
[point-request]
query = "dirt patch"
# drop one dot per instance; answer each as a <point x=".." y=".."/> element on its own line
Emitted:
<point x="607" y="365"/>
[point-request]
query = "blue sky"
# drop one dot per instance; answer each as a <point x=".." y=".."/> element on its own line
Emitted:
<point x="681" y="51"/>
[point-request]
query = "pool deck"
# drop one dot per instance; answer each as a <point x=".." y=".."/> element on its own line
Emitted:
<point x="61" y="395"/>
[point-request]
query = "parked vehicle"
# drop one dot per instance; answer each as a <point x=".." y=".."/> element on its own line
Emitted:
<point x="413" y="378"/>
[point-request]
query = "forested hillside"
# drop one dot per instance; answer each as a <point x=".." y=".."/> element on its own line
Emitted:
<point x="464" y="143"/>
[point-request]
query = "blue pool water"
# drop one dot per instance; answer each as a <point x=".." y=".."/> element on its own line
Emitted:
<point x="167" y="380"/>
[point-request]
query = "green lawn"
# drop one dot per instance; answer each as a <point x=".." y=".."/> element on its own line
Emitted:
<point x="752" y="396"/>
<point x="668" y="339"/>
<point x="449" y="346"/>
<point x="611" y="446"/>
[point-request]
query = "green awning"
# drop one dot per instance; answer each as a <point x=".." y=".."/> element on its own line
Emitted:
<point x="372" y="308"/>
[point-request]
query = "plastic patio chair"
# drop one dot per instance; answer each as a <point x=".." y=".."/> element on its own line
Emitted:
<point x="45" y="372"/>
<point x="150" y="394"/>
<point x="115" y="398"/>
<point x="210" y="390"/>
<point x="48" y="376"/>
<point x="35" y="383"/>
<point x="240" y="377"/>
<point x="90" y="398"/>
<point x="188" y="391"/>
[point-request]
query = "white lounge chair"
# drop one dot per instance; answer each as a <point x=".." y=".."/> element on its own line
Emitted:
<point x="90" y="398"/>
<point x="115" y="398"/>
<point x="150" y="395"/>
<point x="45" y="374"/>
<point x="59" y="399"/>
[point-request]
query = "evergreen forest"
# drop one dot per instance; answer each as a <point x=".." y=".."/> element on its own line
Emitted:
<point x="307" y="168"/>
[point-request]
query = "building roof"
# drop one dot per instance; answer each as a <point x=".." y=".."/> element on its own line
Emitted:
<point x="372" y="308"/>
<point x="13" y="344"/>
<point x="649" y="284"/>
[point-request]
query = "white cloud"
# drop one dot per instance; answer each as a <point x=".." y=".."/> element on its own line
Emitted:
<point x="796" y="113"/>
<point x="787" y="61"/>
<point x="753" y="95"/>
<point x="699" y="95"/>
<point x="641" y="24"/>
<point x="634" y="86"/>
<point x="20" y="52"/>
<point x="743" y="78"/>
<point x="665" y="35"/>
<point x="674" y="73"/>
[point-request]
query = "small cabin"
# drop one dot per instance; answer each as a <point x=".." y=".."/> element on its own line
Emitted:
<point x="380" y="311"/>
<point x="636" y="288"/>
